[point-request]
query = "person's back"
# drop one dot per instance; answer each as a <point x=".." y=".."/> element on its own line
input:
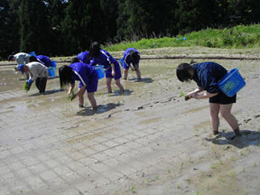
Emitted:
<point x="37" y="69"/>
<point x="84" y="57"/>
<point x="83" y="70"/>
<point x="44" y="60"/>
<point x="22" y="58"/>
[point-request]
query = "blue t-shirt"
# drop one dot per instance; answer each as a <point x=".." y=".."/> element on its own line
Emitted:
<point x="44" y="60"/>
<point x="128" y="60"/>
<point x="82" y="72"/>
<point x="207" y="75"/>
<point x="83" y="57"/>
<point x="104" y="58"/>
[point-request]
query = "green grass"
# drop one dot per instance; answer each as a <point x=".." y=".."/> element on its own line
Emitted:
<point x="238" y="37"/>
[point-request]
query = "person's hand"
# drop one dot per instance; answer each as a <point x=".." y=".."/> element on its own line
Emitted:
<point x="71" y="96"/>
<point x="26" y="86"/>
<point x="187" y="98"/>
<point x="30" y="81"/>
<point x="195" y="95"/>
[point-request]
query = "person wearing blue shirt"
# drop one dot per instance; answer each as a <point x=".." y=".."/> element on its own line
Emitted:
<point x="83" y="57"/>
<point x="44" y="60"/>
<point x="131" y="59"/>
<point x="207" y="75"/>
<point x="111" y="66"/>
<point x="87" y="77"/>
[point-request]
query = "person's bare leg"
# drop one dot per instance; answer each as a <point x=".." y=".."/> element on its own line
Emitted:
<point x="81" y="98"/>
<point x="214" y="118"/>
<point x="108" y="82"/>
<point x="225" y="111"/>
<point x="120" y="86"/>
<point x="92" y="100"/>
<point x="125" y="73"/>
<point x="138" y="74"/>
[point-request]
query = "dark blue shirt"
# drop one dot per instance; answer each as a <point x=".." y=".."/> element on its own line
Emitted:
<point x="207" y="75"/>
<point x="128" y="60"/>
<point x="44" y="60"/>
<point x="82" y="72"/>
<point x="83" y="57"/>
<point x="104" y="58"/>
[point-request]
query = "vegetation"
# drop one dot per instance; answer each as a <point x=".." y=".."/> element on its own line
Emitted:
<point x="65" y="27"/>
<point x="238" y="37"/>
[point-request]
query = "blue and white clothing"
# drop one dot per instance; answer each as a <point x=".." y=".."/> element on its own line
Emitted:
<point x="44" y="60"/>
<point x="105" y="59"/>
<point x="128" y="60"/>
<point x="86" y="75"/>
<point x="83" y="57"/>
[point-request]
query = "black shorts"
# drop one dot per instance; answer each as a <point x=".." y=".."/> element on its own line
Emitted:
<point x="221" y="98"/>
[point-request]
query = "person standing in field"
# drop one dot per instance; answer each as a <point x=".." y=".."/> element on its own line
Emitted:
<point x="207" y="75"/>
<point x="131" y="59"/>
<point x="88" y="81"/>
<point x="111" y="66"/>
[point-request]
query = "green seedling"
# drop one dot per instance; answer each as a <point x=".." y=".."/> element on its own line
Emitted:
<point x="26" y="87"/>
<point x="182" y="94"/>
<point x="71" y="96"/>
<point x="182" y="165"/>
<point x="213" y="166"/>
<point x="133" y="189"/>
<point x="169" y="171"/>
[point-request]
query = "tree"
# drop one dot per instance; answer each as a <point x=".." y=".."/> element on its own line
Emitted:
<point x="34" y="32"/>
<point x="9" y="31"/>
<point x="82" y="25"/>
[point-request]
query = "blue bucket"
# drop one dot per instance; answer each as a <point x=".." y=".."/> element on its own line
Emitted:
<point x="121" y="61"/>
<point x="32" y="53"/>
<point x="231" y="83"/>
<point x="53" y="64"/>
<point x="100" y="71"/>
<point x="51" y="71"/>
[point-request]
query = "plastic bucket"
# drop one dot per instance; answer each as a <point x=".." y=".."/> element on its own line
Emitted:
<point x="53" y="64"/>
<point x="100" y="71"/>
<point x="51" y="71"/>
<point x="231" y="83"/>
<point x="32" y="53"/>
<point x="121" y="61"/>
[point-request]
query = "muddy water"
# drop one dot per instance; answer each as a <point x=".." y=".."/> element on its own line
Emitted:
<point x="158" y="78"/>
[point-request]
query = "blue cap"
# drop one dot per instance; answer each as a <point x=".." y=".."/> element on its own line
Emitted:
<point x="20" y="68"/>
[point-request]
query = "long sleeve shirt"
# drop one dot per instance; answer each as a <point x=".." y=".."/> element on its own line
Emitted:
<point x="36" y="69"/>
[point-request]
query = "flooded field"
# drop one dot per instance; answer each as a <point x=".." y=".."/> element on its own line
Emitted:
<point x="147" y="140"/>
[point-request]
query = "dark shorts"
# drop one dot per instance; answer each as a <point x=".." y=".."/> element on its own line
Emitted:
<point x="92" y="83"/>
<point x="221" y="98"/>
<point x="117" y="72"/>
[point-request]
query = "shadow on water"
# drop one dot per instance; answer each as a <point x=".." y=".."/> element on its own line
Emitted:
<point x="47" y="92"/>
<point x="88" y="111"/>
<point x="248" y="138"/>
<point x="119" y="93"/>
<point x="144" y="80"/>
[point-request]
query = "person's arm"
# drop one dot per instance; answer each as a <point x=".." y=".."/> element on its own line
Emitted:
<point x="190" y="94"/>
<point x="203" y="96"/>
<point x="71" y="87"/>
<point x="80" y="91"/>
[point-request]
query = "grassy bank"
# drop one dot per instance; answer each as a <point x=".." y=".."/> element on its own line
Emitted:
<point x="228" y="38"/>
